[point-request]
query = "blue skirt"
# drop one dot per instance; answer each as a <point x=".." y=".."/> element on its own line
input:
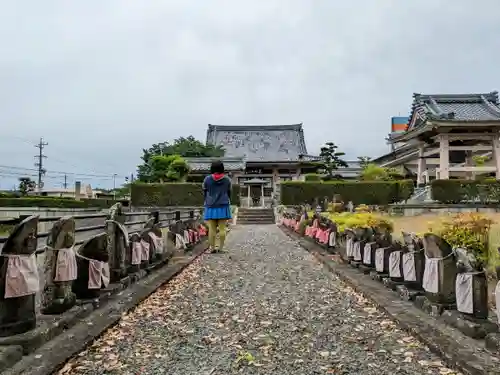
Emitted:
<point x="217" y="213"/>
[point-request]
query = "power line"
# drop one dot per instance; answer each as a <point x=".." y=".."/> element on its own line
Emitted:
<point x="48" y="176"/>
<point x="110" y="176"/>
<point x="41" y="144"/>
<point x="30" y="141"/>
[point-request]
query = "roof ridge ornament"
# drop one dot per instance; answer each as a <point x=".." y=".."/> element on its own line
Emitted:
<point x="490" y="106"/>
<point x="434" y="106"/>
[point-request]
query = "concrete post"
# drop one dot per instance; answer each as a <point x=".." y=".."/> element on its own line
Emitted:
<point x="422" y="167"/>
<point x="496" y="155"/>
<point x="249" y="200"/>
<point x="444" y="157"/>
<point x="262" y="195"/>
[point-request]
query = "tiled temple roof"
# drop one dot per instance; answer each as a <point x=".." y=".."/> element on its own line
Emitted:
<point x="454" y="107"/>
<point x="203" y="164"/>
<point x="259" y="142"/>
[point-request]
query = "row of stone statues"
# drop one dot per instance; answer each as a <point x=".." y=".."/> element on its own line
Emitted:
<point x="72" y="273"/>
<point x="427" y="268"/>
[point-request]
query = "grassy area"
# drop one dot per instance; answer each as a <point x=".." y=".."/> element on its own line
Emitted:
<point x="5" y="229"/>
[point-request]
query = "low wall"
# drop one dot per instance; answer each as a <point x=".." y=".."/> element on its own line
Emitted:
<point x="439" y="208"/>
<point x="15" y="212"/>
<point x="88" y="223"/>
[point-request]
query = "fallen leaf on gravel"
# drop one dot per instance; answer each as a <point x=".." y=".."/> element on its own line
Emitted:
<point x="218" y="307"/>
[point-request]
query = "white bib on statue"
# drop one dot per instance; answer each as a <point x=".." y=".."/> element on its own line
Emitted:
<point x="464" y="294"/>
<point x="332" y="241"/>
<point x="394" y="264"/>
<point x="349" y="247"/>
<point x="367" y="254"/>
<point x="497" y="301"/>
<point x="379" y="260"/>
<point x="409" y="272"/>
<point x="430" y="282"/>
<point x="357" y="251"/>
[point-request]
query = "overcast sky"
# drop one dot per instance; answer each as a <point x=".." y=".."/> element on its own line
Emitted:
<point x="102" y="79"/>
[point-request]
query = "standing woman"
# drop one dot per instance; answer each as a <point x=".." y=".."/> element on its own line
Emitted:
<point x="217" y="192"/>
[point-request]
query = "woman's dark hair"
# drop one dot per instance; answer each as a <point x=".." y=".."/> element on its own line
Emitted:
<point x="217" y="167"/>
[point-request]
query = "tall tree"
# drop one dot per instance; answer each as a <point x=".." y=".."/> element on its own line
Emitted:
<point x="26" y="185"/>
<point x="331" y="158"/>
<point x="185" y="147"/>
<point x="364" y="161"/>
<point x="171" y="168"/>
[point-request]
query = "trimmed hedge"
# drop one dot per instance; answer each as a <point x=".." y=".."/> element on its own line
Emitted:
<point x="313" y="177"/>
<point x="456" y="191"/>
<point x="359" y="192"/>
<point x="172" y="194"/>
<point x="48" y="202"/>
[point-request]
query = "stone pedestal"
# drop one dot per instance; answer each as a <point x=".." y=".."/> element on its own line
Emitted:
<point x="17" y="315"/>
<point x="57" y="296"/>
<point x="95" y="248"/>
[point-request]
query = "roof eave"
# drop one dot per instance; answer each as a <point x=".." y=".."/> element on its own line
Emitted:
<point x="465" y="123"/>
<point x="412" y="133"/>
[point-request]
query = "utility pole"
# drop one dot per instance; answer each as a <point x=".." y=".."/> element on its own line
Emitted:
<point x="39" y="163"/>
<point x="65" y="181"/>
<point x="114" y="186"/>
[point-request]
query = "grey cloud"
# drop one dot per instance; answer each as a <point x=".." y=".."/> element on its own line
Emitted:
<point x="101" y="80"/>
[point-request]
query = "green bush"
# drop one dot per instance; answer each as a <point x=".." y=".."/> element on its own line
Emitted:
<point x="313" y="177"/>
<point x="405" y="189"/>
<point x="172" y="194"/>
<point x="48" y="202"/>
<point x="456" y="191"/>
<point x="359" y="192"/>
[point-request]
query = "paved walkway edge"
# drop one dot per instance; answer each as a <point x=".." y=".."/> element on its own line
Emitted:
<point x="457" y="350"/>
<point x="53" y="355"/>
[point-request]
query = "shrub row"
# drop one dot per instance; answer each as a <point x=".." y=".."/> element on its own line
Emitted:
<point x="48" y="202"/>
<point x="172" y="194"/>
<point x="456" y="191"/>
<point x="359" y="192"/>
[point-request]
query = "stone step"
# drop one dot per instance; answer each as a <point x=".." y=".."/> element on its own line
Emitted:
<point x="255" y="219"/>
<point x="256" y="215"/>
<point x="255" y="222"/>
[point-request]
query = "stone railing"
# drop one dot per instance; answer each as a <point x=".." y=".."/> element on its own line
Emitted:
<point x="50" y="278"/>
<point x="443" y="281"/>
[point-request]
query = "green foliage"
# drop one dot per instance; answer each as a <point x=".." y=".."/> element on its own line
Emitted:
<point x="456" y="191"/>
<point x="331" y="158"/>
<point x="334" y="207"/>
<point x="364" y="161"/>
<point x="312" y="177"/>
<point x="469" y="231"/>
<point x="359" y="192"/>
<point x="172" y="194"/>
<point x="479" y="160"/>
<point x="26" y="185"/>
<point x="373" y="172"/>
<point x="47" y="202"/>
<point x="183" y="147"/>
<point x="170" y="168"/>
<point x="360" y="220"/>
<point x="405" y="190"/>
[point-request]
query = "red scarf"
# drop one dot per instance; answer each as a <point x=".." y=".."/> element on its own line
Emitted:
<point x="218" y="176"/>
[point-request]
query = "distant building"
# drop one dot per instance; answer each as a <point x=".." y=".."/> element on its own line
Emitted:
<point x="86" y="193"/>
<point x="258" y="158"/>
<point x="443" y="135"/>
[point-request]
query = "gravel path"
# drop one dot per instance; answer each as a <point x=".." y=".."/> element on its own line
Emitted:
<point x="268" y="307"/>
